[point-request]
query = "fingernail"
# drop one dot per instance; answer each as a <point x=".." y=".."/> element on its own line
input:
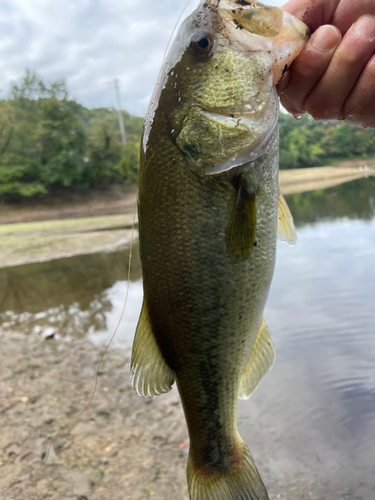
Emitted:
<point x="365" y="27"/>
<point x="325" y="38"/>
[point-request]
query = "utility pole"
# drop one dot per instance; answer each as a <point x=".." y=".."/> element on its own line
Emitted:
<point x="120" y="115"/>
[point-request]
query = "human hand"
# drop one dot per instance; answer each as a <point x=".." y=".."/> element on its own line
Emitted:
<point x="334" y="76"/>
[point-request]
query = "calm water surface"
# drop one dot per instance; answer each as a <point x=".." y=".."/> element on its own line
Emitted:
<point x="313" y="416"/>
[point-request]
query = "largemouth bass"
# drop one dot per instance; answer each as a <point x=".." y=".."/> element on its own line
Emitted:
<point x="209" y="212"/>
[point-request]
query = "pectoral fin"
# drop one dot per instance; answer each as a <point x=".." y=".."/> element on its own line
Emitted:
<point x="242" y="223"/>
<point x="149" y="375"/>
<point x="285" y="225"/>
<point x="259" y="363"/>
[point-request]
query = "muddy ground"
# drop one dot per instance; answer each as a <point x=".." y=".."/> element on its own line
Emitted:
<point x="41" y="241"/>
<point x="122" y="448"/>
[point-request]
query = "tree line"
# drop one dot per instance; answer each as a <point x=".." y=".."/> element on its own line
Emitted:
<point x="49" y="141"/>
<point x="310" y="143"/>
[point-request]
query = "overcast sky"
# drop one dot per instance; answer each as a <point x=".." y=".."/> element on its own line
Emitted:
<point x="89" y="43"/>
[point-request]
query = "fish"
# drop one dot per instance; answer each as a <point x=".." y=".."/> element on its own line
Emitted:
<point x="210" y="212"/>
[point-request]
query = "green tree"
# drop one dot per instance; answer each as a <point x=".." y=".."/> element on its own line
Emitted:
<point x="43" y="140"/>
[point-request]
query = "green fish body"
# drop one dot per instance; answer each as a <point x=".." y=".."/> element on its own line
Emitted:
<point x="209" y="213"/>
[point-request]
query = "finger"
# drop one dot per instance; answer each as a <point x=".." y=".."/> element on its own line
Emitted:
<point x="359" y="108"/>
<point x="326" y="100"/>
<point x="348" y="11"/>
<point x="308" y="68"/>
<point x="314" y="14"/>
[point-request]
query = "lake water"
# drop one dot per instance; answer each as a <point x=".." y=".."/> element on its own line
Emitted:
<point x="313" y="416"/>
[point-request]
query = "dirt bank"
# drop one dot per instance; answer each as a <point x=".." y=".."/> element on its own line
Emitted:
<point x="308" y="179"/>
<point x="25" y="243"/>
<point x="123" y="448"/>
<point x="110" y="201"/>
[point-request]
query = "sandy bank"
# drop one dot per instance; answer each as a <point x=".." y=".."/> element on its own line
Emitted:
<point x="23" y="243"/>
<point x="308" y="179"/>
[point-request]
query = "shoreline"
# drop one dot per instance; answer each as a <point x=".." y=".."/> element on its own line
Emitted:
<point x="101" y="221"/>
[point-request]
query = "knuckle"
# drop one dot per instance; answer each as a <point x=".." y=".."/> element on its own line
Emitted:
<point x="320" y="110"/>
<point x="359" y="108"/>
<point x="308" y="66"/>
<point x="345" y="57"/>
<point x="370" y="70"/>
<point x="289" y="103"/>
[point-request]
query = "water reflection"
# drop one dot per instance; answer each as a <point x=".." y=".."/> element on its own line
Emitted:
<point x="355" y="200"/>
<point x="75" y="296"/>
<point x="319" y="399"/>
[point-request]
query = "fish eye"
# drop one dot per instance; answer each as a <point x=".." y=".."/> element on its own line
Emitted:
<point x="202" y="44"/>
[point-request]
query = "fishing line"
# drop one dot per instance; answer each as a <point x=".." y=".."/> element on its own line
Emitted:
<point x="99" y="364"/>
<point x="127" y="289"/>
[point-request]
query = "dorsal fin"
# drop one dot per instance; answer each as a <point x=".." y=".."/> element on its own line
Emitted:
<point x="259" y="363"/>
<point x="149" y="375"/>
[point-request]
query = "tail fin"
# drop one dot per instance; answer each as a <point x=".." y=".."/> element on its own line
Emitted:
<point x="241" y="482"/>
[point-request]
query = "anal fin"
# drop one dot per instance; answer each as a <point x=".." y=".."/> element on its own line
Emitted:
<point x="259" y="363"/>
<point x="149" y="374"/>
<point x="285" y="225"/>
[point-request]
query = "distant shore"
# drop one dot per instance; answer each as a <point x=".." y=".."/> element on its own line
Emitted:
<point x="301" y="180"/>
<point x="78" y="224"/>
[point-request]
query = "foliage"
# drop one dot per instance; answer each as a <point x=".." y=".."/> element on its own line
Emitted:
<point x="307" y="143"/>
<point x="49" y="141"/>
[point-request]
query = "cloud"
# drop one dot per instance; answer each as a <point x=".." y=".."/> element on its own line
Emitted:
<point x="89" y="43"/>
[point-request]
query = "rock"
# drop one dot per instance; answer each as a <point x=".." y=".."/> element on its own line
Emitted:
<point x="12" y="449"/>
